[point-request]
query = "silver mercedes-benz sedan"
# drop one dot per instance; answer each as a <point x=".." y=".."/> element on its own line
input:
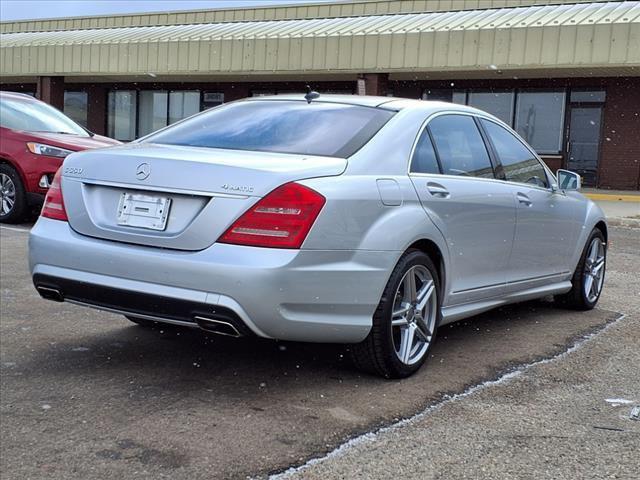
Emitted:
<point x="362" y="220"/>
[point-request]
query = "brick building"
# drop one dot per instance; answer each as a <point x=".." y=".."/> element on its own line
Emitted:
<point x="564" y="74"/>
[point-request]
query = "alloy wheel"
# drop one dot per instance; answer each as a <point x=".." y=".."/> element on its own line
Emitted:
<point x="7" y="194"/>
<point x="414" y="315"/>
<point x="594" y="266"/>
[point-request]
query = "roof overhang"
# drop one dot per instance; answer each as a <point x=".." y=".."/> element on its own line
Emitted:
<point x="568" y="39"/>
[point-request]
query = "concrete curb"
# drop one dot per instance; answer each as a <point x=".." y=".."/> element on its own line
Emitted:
<point x="613" y="197"/>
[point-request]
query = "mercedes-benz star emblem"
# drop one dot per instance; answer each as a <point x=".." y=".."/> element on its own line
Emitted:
<point x="143" y="171"/>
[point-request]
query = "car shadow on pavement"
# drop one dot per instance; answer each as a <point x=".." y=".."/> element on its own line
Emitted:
<point x="192" y="353"/>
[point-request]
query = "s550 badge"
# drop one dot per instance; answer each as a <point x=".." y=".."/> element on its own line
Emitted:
<point x="73" y="171"/>
<point x="238" y="188"/>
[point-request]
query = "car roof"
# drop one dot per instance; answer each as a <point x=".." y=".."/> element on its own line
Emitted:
<point x="388" y="103"/>
<point x="362" y="100"/>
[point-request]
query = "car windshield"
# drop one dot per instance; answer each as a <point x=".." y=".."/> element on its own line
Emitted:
<point x="33" y="116"/>
<point x="327" y="129"/>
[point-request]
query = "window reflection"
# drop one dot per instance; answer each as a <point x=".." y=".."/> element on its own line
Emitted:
<point x="75" y="106"/>
<point x="460" y="147"/>
<point x="540" y="119"/>
<point x="122" y="114"/>
<point x="498" y="104"/>
<point x="519" y="164"/>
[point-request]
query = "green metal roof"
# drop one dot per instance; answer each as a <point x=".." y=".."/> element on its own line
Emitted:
<point x="340" y="8"/>
<point x="583" y="35"/>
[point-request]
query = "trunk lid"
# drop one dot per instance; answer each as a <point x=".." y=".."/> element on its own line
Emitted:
<point x="202" y="190"/>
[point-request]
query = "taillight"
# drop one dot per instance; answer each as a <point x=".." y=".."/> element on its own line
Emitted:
<point x="282" y="219"/>
<point x="53" y="206"/>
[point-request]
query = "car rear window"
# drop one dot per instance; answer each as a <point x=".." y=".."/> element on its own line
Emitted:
<point x="327" y="129"/>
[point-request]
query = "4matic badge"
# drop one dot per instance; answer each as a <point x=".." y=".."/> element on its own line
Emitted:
<point x="238" y="188"/>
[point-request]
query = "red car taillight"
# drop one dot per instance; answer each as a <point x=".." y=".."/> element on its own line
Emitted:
<point x="53" y="206"/>
<point x="282" y="219"/>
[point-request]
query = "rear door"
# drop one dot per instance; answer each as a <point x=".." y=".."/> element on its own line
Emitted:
<point x="547" y="222"/>
<point x="455" y="180"/>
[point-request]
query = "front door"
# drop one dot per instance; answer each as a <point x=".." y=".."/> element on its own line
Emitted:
<point x="548" y="223"/>
<point x="583" y="147"/>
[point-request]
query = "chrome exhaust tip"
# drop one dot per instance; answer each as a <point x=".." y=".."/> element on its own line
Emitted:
<point x="50" y="293"/>
<point x="218" y="326"/>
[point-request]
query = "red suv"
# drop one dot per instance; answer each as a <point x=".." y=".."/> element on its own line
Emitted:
<point x="34" y="140"/>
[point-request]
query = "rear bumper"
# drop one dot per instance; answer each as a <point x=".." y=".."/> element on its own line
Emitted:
<point x="299" y="295"/>
<point x="142" y="305"/>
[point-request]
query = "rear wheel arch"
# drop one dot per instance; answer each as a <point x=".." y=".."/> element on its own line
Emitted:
<point x="431" y="249"/>
<point x="378" y="353"/>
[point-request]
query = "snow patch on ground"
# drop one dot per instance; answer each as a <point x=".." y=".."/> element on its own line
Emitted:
<point x="618" y="401"/>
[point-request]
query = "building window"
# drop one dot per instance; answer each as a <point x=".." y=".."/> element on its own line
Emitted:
<point x="445" y="95"/>
<point x="153" y="111"/>
<point x="133" y="114"/>
<point x="183" y="104"/>
<point x="159" y="108"/>
<point x="212" y="99"/>
<point x="262" y="93"/>
<point x="540" y="119"/>
<point x="75" y="106"/>
<point x="497" y="103"/>
<point x="589" y="96"/>
<point x="122" y="114"/>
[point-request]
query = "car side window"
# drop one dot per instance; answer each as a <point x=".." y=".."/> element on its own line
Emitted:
<point x="520" y="165"/>
<point x="460" y="146"/>
<point x="424" y="157"/>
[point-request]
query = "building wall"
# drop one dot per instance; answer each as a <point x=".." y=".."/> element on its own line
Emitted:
<point x="620" y="153"/>
<point x="619" y="163"/>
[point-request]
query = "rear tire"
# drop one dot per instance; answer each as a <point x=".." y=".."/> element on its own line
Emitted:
<point x="405" y="323"/>
<point x="13" y="204"/>
<point x="588" y="277"/>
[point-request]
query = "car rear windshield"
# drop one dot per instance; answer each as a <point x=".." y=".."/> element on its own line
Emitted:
<point x="327" y="129"/>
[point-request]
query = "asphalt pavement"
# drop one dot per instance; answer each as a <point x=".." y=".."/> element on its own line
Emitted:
<point x="87" y="394"/>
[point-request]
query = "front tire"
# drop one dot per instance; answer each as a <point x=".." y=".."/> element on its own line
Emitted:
<point x="405" y="322"/>
<point x="13" y="199"/>
<point x="588" y="278"/>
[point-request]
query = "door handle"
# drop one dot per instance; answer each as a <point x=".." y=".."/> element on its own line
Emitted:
<point x="523" y="199"/>
<point x="437" y="190"/>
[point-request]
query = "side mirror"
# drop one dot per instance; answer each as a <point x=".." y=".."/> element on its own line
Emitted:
<point x="568" y="180"/>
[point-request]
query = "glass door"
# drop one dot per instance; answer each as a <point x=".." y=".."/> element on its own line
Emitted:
<point x="583" y="146"/>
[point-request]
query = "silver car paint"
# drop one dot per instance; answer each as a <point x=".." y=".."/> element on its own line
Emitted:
<point x="328" y="290"/>
<point x="218" y="187"/>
